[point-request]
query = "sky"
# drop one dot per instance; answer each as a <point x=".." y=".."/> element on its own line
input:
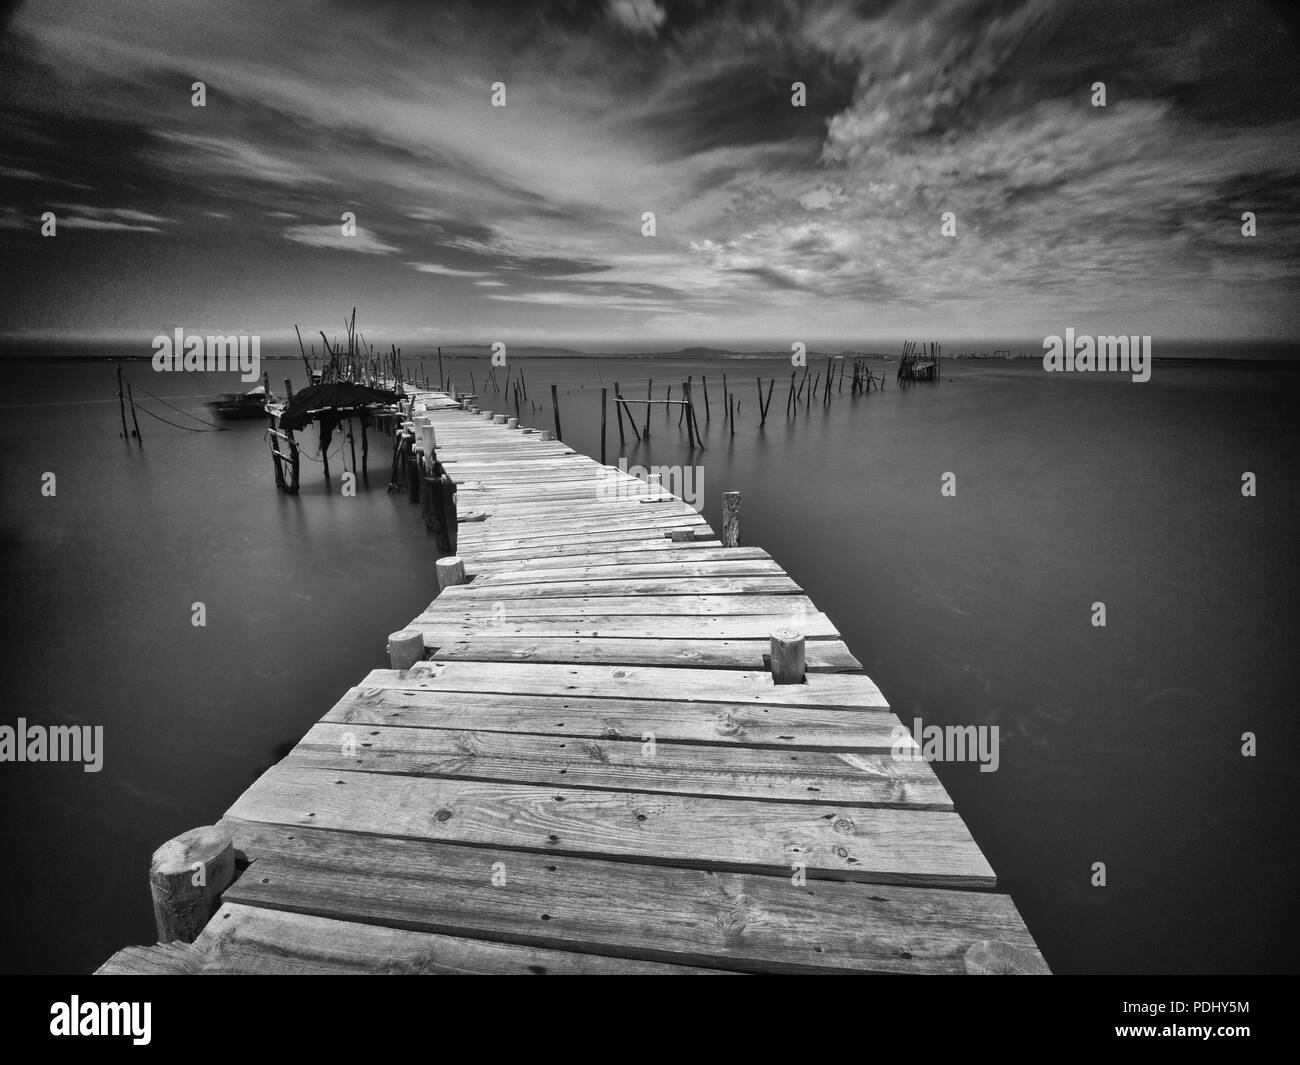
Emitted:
<point x="773" y="223"/>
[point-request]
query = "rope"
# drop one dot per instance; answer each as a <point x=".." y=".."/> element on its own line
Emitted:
<point x="187" y="428"/>
<point x="219" y="428"/>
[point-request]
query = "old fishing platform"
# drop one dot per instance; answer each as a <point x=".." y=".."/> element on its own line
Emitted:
<point x="615" y="742"/>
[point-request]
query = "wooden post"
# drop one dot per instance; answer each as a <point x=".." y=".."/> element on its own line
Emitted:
<point x="762" y="414"/>
<point x="546" y="434"/>
<point x="181" y="907"/>
<point x="686" y="411"/>
<point x="406" y="647"/>
<point x="451" y="571"/>
<point x="705" y="382"/>
<point x="731" y="412"/>
<point x="787" y="660"/>
<point x="499" y="419"/>
<point x="726" y="399"/>
<point x="512" y="423"/>
<point x="618" y="413"/>
<point x="682" y="536"/>
<point x="134" y="420"/>
<point x="649" y="395"/>
<point x="730" y="519"/>
<point x="604" y="407"/>
<point x="555" y="409"/>
<point x="121" y="402"/>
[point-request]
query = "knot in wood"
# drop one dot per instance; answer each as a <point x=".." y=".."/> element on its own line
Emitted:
<point x="443" y="815"/>
<point x="843" y="824"/>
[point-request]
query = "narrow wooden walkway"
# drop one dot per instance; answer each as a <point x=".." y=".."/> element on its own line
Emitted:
<point x="593" y="772"/>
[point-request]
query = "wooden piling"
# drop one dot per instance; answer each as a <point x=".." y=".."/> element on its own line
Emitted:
<point x="618" y="413"/>
<point x="555" y="408"/>
<point x="708" y="417"/>
<point x="134" y="420"/>
<point x="730" y="519"/>
<point x="121" y="402"/>
<point x="787" y="657"/>
<point x="186" y="878"/>
<point x="451" y="571"/>
<point x="604" y="409"/>
<point x="405" y="648"/>
<point x="649" y="395"/>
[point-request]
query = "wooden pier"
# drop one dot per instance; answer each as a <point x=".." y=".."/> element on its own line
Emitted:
<point x="593" y="770"/>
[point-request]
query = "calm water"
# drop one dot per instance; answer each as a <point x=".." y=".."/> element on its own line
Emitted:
<point x="1119" y="745"/>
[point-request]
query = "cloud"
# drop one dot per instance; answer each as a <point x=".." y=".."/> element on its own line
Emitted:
<point x="640" y="17"/>
<point x="331" y="236"/>
<point x="445" y="271"/>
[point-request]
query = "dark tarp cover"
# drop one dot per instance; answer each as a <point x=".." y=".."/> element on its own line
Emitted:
<point x="334" y="396"/>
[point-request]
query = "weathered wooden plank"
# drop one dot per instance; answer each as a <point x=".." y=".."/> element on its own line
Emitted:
<point x="252" y="940"/>
<point x="829" y="690"/>
<point x="927" y="847"/>
<point x="640" y="763"/>
<point x="439" y="629"/>
<point x="790" y="607"/>
<point x="821" y="656"/>
<point x="561" y="553"/>
<point x="725" y="920"/>
<point x="712" y="567"/>
<point x="773" y="585"/>
<point x="586" y="717"/>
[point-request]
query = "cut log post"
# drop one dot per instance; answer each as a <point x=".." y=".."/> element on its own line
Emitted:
<point x="995" y="958"/>
<point x="682" y="536"/>
<point x="546" y="434"/>
<point x="512" y="423"/>
<point x="405" y="648"/>
<point x="186" y="878"/>
<point x="429" y="438"/>
<point x="787" y="659"/>
<point x="499" y="419"/>
<point x="451" y="571"/>
<point x="730" y="519"/>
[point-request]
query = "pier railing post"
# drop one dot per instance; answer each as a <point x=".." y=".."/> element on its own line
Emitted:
<point x="787" y="659"/>
<point x="451" y="571"/>
<point x="730" y="519"/>
<point x="405" y="648"/>
<point x="186" y="878"/>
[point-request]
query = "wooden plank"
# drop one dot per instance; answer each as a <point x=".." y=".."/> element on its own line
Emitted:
<point x="928" y="847"/>
<point x="773" y="585"/>
<point x="503" y="624"/>
<point x="711" y="567"/>
<point x="652" y="542"/>
<point x="587" y="717"/>
<point x="828" y="690"/>
<point x="867" y="779"/>
<point x="736" y="921"/>
<point x="821" y="656"/>
<point x="630" y="606"/>
<point x="252" y="940"/>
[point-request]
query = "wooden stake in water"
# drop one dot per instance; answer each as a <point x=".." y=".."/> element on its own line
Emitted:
<point x="121" y="402"/>
<point x="134" y="420"/>
<point x="555" y="407"/>
<point x="603" y="410"/>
